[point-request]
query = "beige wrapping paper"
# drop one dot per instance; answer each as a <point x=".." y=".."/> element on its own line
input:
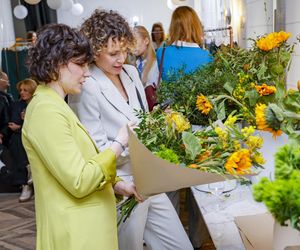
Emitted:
<point x="256" y="231"/>
<point x="153" y="175"/>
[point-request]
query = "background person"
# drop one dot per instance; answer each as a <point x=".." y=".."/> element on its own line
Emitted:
<point x="157" y="35"/>
<point x="31" y="37"/>
<point x="21" y="171"/>
<point x="74" y="182"/>
<point x="107" y="102"/>
<point x="146" y="62"/>
<point x="184" y="44"/>
<point x="5" y="108"/>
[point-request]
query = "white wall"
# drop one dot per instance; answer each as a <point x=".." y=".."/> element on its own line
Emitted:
<point x="7" y="34"/>
<point x="148" y="12"/>
<point x="259" y="18"/>
<point x="292" y="25"/>
<point x="259" y="21"/>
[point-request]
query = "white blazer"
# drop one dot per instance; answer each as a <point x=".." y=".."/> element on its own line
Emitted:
<point x="103" y="111"/>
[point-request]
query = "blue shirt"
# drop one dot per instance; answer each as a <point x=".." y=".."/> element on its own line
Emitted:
<point x="184" y="57"/>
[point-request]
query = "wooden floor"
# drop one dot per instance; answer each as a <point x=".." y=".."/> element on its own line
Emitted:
<point x="17" y="230"/>
<point x="17" y="224"/>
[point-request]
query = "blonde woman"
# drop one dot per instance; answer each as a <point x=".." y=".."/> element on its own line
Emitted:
<point x="21" y="172"/>
<point x="146" y="62"/>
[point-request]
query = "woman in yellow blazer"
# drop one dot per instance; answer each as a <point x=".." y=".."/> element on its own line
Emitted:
<point x="74" y="183"/>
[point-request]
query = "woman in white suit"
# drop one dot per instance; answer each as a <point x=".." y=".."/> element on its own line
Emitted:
<point x="107" y="102"/>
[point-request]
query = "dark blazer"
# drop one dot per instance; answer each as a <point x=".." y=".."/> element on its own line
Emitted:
<point x="5" y="113"/>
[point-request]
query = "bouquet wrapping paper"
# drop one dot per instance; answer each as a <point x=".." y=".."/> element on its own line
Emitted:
<point x="153" y="175"/>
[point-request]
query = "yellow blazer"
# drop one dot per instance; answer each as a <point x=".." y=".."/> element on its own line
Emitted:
<point x="74" y="199"/>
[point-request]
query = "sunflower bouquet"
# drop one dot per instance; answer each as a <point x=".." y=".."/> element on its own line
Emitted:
<point x="220" y="148"/>
<point x="259" y="93"/>
<point x="223" y="149"/>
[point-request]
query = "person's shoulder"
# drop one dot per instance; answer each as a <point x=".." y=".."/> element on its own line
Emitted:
<point x="129" y="67"/>
<point x="131" y="70"/>
<point x="197" y="51"/>
<point x="91" y="83"/>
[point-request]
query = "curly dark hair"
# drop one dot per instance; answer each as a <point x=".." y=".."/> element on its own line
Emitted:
<point x="56" y="45"/>
<point x="103" y="25"/>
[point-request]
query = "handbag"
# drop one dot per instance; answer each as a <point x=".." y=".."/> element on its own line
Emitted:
<point x="150" y="90"/>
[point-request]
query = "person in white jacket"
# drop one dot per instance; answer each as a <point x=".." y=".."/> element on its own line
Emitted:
<point x="107" y="102"/>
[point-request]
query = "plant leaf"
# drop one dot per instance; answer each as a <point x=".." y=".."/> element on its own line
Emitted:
<point x="192" y="145"/>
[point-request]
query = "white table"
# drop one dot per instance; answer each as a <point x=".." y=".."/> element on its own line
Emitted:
<point x="220" y="224"/>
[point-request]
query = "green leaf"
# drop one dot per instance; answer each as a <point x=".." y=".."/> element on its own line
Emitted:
<point x="262" y="70"/>
<point x="192" y="145"/>
<point x="292" y="101"/>
<point x="229" y="87"/>
<point x="220" y="110"/>
<point x="252" y="96"/>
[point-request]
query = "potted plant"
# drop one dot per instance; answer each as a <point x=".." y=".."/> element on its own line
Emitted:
<point x="282" y="197"/>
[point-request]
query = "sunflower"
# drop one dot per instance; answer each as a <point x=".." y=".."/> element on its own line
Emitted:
<point x="282" y="36"/>
<point x="203" y="104"/>
<point x="273" y="40"/>
<point x="266" y="44"/>
<point x="267" y="119"/>
<point x="239" y="162"/>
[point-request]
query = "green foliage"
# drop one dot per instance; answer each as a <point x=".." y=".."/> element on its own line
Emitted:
<point x="287" y="159"/>
<point x="183" y="91"/>
<point x="207" y="149"/>
<point x="282" y="196"/>
<point x="167" y="154"/>
<point x="157" y="136"/>
<point x="254" y="68"/>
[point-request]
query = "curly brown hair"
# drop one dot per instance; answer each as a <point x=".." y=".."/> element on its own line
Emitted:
<point x="103" y="25"/>
<point x="56" y="45"/>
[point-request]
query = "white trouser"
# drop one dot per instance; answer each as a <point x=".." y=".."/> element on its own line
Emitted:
<point x="156" y="222"/>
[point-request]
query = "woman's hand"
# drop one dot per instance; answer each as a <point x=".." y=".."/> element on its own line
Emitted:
<point x="22" y="114"/>
<point x="127" y="189"/>
<point x="121" y="141"/>
<point x="123" y="133"/>
<point x="13" y="126"/>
